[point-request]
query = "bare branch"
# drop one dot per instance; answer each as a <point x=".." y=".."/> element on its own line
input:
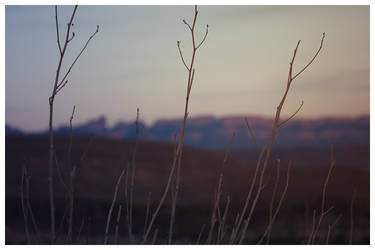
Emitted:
<point x="132" y="178"/>
<point x="73" y="34"/>
<point x="273" y="199"/>
<point x="336" y="221"/>
<point x="111" y="208"/>
<point x="72" y="116"/>
<point x="35" y="225"/>
<point x="324" y="212"/>
<point x="195" y="18"/>
<point x="72" y="179"/>
<point x="219" y="192"/>
<point x="251" y="132"/>
<point x="79" y="54"/>
<point x="59" y="231"/>
<point x="147" y="211"/>
<point x="200" y="234"/>
<point x="290" y="78"/>
<point x="268" y="230"/>
<point x="222" y="221"/>
<point x="332" y="164"/>
<point x="331" y="226"/>
<point x="176" y="163"/>
<point x="241" y="218"/>
<point x="117" y="223"/>
<point x="61" y="86"/>
<point x="155" y="235"/>
<point x="267" y="149"/>
<point x="57" y="31"/>
<point x="282" y="123"/>
<point x="204" y="38"/>
<point x="184" y="21"/>
<point x="56" y="88"/>
<point x="328" y="210"/>
<point x="312" y="229"/>
<point x="182" y="57"/>
<point x="316" y="54"/>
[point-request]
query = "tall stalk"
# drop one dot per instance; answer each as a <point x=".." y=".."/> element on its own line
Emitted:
<point x="176" y="164"/>
<point x="59" y="84"/>
<point x="264" y="156"/>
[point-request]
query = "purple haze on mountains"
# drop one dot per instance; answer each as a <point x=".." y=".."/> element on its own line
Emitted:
<point x="214" y="133"/>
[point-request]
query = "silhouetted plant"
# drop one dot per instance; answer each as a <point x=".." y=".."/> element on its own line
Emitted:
<point x="176" y="164"/>
<point x="59" y="84"/>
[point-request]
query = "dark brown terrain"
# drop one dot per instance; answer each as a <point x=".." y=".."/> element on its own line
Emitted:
<point x="105" y="159"/>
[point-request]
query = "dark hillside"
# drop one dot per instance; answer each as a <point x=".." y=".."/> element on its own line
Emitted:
<point x="105" y="159"/>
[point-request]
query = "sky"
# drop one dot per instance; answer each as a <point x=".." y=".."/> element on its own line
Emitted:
<point x="133" y="61"/>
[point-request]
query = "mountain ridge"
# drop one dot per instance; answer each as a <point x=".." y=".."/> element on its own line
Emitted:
<point x="215" y="133"/>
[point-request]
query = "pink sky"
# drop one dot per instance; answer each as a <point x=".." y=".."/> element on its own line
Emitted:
<point x="134" y="62"/>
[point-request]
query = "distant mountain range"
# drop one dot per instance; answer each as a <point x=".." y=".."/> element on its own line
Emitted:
<point x="214" y="133"/>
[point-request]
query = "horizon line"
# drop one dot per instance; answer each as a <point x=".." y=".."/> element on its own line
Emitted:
<point x="202" y="116"/>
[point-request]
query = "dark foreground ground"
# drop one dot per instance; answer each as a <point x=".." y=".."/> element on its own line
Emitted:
<point x="98" y="172"/>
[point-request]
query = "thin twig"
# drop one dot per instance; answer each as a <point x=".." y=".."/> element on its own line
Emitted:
<point x="57" y="31"/>
<point x="71" y="38"/>
<point x="241" y="217"/>
<point x="178" y="155"/>
<point x="251" y="132"/>
<point x="204" y="38"/>
<point x="58" y="85"/>
<point x="187" y="24"/>
<point x="191" y="73"/>
<point x="182" y="57"/>
<point x="268" y="230"/>
<point x="63" y="219"/>
<point x="282" y="123"/>
<point x="331" y="226"/>
<point x="222" y="222"/>
<point x="269" y="144"/>
<point x="200" y="234"/>
<point x="219" y="191"/>
<point x="72" y="179"/>
<point x="147" y="211"/>
<point x="312" y="228"/>
<point x="132" y="178"/>
<point x="316" y="54"/>
<point x="117" y="223"/>
<point x="111" y="208"/>
<point x="323" y="212"/>
<point x="273" y="199"/>
<point x="155" y="235"/>
<point x="79" y="54"/>
<point x="33" y="220"/>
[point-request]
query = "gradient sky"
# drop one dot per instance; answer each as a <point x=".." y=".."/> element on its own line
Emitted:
<point x="134" y="62"/>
